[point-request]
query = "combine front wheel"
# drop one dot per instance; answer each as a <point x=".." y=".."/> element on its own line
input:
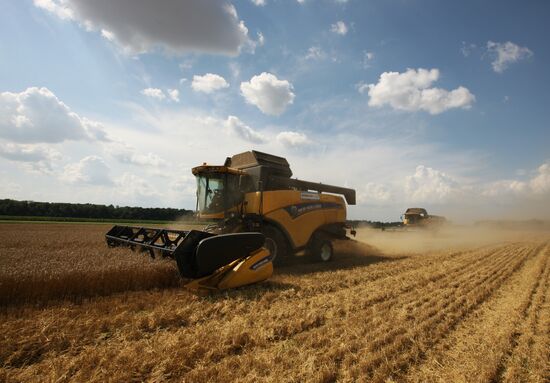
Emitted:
<point x="276" y="243"/>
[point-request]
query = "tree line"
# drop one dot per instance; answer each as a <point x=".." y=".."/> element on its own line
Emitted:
<point x="9" y="207"/>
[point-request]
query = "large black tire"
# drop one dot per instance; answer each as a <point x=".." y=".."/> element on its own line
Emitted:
<point x="321" y="250"/>
<point x="276" y="243"/>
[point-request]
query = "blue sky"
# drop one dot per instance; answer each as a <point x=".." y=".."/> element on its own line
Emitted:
<point x="428" y="103"/>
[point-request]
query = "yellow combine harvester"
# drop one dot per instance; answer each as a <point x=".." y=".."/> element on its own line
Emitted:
<point x="417" y="217"/>
<point x="261" y="214"/>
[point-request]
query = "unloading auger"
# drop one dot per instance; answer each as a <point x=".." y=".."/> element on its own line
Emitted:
<point x="211" y="262"/>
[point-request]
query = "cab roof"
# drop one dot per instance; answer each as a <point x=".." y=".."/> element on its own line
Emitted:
<point x="416" y="210"/>
<point x="215" y="169"/>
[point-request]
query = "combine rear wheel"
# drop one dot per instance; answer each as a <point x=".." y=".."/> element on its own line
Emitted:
<point x="321" y="250"/>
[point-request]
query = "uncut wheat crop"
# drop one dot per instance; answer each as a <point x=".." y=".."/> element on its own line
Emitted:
<point x="391" y="307"/>
<point x="40" y="262"/>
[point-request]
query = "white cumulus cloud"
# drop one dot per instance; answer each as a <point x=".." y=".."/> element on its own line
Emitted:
<point x="504" y="187"/>
<point x="293" y="139"/>
<point x="90" y="170"/>
<point x="506" y="53"/>
<point x="373" y="193"/>
<point x="184" y="184"/>
<point x="127" y="154"/>
<point x="261" y="39"/>
<point x="429" y="185"/>
<point x="367" y="58"/>
<point x="28" y="153"/>
<point x="240" y="129"/>
<point x="160" y="95"/>
<point x="259" y="3"/>
<point x="268" y="93"/>
<point x="208" y="83"/>
<point x="540" y="184"/>
<point x="174" y="95"/>
<point x="137" y="190"/>
<point x="315" y="53"/>
<point x="339" y="28"/>
<point x="535" y="186"/>
<point x="412" y="91"/>
<point x="155" y="93"/>
<point x="362" y="87"/>
<point x="60" y="8"/>
<point x="173" y="25"/>
<point x="37" y="115"/>
<point x="467" y="48"/>
<point x="37" y="157"/>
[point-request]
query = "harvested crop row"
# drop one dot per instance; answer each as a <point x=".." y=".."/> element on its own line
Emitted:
<point x="530" y="357"/>
<point x="480" y="347"/>
<point x="434" y="320"/>
<point x="242" y="334"/>
<point x="344" y="279"/>
<point x="201" y="319"/>
<point x="359" y="351"/>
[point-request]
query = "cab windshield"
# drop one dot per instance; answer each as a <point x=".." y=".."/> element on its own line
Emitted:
<point x="217" y="192"/>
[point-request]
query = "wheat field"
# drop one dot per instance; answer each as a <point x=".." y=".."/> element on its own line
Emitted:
<point x="391" y="307"/>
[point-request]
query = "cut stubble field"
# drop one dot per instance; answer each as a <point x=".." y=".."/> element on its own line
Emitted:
<point x="454" y="306"/>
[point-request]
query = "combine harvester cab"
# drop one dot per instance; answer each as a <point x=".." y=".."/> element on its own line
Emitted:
<point x="211" y="262"/>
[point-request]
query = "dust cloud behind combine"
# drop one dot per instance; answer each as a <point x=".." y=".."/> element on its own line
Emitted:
<point x="449" y="237"/>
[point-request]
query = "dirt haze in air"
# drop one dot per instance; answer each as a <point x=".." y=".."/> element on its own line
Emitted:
<point x="451" y="237"/>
